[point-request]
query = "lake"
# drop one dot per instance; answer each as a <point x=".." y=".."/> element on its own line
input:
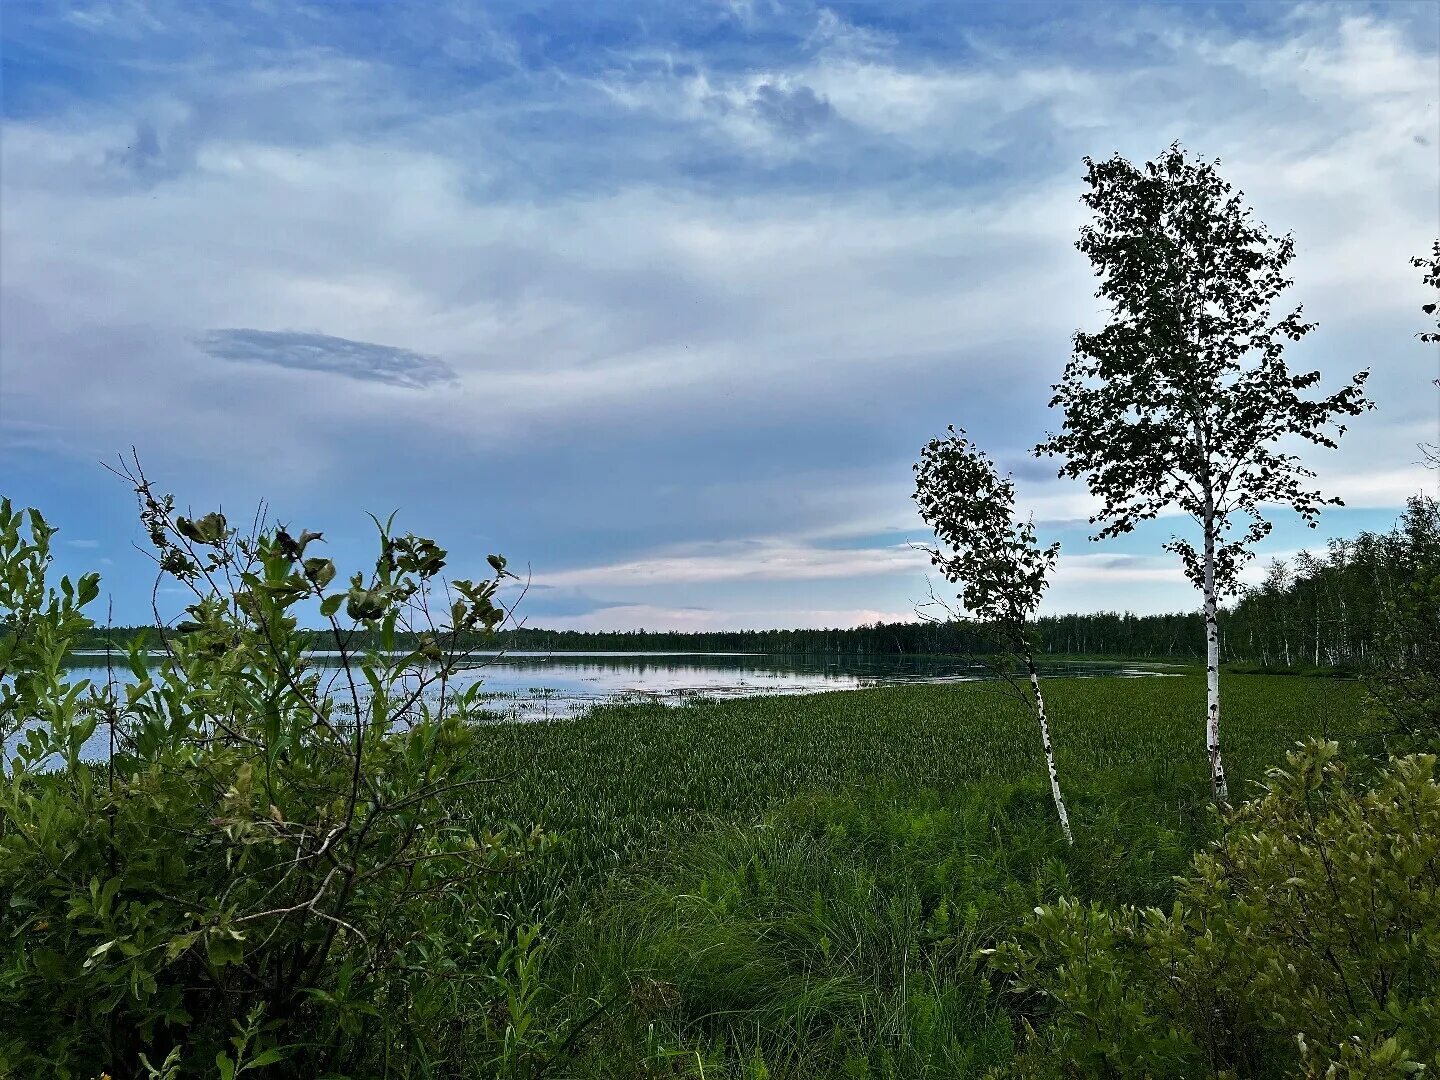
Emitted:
<point x="554" y="686"/>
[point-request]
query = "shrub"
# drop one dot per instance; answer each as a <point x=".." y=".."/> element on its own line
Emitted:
<point x="1306" y="940"/>
<point x="273" y="869"/>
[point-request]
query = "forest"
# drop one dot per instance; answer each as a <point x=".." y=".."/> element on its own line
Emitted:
<point x="1325" y="610"/>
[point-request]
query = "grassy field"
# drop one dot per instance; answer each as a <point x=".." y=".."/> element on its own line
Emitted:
<point x="796" y="886"/>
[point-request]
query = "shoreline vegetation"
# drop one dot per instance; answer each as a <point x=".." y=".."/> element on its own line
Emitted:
<point x="1323" y="613"/>
<point x="87" y="654"/>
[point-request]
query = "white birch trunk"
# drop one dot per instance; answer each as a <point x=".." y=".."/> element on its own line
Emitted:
<point x="1049" y="751"/>
<point x="1218" y="786"/>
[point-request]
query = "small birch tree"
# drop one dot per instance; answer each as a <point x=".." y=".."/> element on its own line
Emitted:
<point x="1001" y="569"/>
<point x="1182" y="400"/>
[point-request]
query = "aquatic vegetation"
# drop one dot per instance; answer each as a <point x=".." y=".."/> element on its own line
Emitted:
<point x="802" y="881"/>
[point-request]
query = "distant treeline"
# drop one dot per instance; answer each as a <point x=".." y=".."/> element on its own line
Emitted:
<point x="1336" y="608"/>
<point x="1324" y="610"/>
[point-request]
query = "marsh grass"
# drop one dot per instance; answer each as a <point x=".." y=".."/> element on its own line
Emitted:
<point x="797" y="886"/>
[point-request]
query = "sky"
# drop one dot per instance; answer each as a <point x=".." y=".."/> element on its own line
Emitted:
<point x="660" y="300"/>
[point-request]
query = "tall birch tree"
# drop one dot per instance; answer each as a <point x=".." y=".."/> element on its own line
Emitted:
<point x="1184" y="401"/>
<point x="1000" y="567"/>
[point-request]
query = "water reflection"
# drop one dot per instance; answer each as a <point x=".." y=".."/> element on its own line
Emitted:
<point x="536" y="686"/>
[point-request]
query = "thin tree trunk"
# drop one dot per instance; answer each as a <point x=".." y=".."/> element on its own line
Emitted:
<point x="1218" y="787"/>
<point x="1049" y="750"/>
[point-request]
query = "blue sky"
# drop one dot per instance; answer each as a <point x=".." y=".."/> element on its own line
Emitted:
<point x="658" y="299"/>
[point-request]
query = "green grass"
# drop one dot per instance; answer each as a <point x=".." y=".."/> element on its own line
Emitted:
<point x="803" y="881"/>
<point x="624" y="784"/>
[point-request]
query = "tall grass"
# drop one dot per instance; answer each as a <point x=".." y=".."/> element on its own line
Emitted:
<point x="797" y="886"/>
<point x="622" y="785"/>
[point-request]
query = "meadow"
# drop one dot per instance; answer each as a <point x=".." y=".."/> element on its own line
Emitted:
<point x="798" y="886"/>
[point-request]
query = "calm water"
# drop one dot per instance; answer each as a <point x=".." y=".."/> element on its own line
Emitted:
<point x="540" y="686"/>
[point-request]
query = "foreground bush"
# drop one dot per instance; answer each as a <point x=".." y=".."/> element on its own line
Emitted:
<point x="271" y="872"/>
<point x="1306" y="942"/>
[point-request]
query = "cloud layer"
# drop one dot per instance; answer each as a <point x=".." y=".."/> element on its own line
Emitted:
<point x="676" y="291"/>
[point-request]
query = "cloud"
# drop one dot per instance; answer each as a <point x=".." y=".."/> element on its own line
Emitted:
<point x="126" y="19"/>
<point x="756" y="560"/>
<point x="1073" y="569"/>
<point x="147" y="159"/>
<point x="690" y="619"/>
<point x="361" y="360"/>
<point x="834" y="33"/>
<point x="704" y="276"/>
<point x="795" y="112"/>
<point x="541" y="604"/>
<point x="142" y="151"/>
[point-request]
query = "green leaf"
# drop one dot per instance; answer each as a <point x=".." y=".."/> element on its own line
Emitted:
<point x="180" y="944"/>
<point x="320" y="571"/>
<point x="366" y="604"/>
<point x="49" y="963"/>
<point x="221" y="948"/>
<point x="331" y="604"/>
<point x="208" y="530"/>
<point x="89" y="588"/>
<point x="97" y="952"/>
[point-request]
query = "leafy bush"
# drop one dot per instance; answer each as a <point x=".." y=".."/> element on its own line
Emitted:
<point x="1306" y="940"/>
<point x="273" y="870"/>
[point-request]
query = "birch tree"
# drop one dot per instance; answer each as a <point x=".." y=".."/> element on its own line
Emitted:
<point x="1001" y="569"/>
<point x="1183" y="401"/>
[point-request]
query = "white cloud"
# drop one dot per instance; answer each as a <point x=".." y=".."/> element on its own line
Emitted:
<point x="760" y="560"/>
<point x="746" y="267"/>
<point x="649" y="617"/>
<point x="834" y="34"/>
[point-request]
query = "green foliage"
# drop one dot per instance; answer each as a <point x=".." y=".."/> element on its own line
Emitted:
<point x="1406" y="678"/>
<point x="270" y="874"/>
<point x="1306" y="941"/>
<point x="925" y="795"/>
<point x="1181" y="399"/>
<point x="1430" y="264"/>
<point x="1184" y="398"/>
<point x="621" y="785"/>
<point x="40" y="625"/>
<point x="1000" y="566"/>
<point x="1359" y="604"/>
<point x="994" y="557"/>
<point x="834" y="938"/>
